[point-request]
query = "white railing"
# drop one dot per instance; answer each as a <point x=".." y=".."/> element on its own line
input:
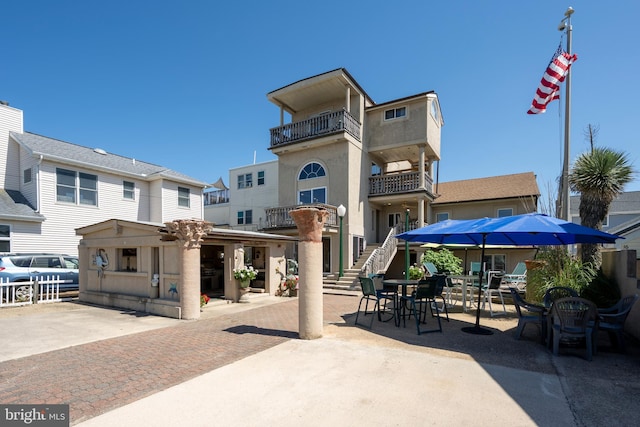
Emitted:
<point x="44" y="289"/>
<point x="379" y="259"/>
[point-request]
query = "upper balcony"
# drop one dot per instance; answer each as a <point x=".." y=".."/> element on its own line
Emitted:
<point x="336" y="122"/>
<point x="398" y="184"/>
<point x="278" y="218"/>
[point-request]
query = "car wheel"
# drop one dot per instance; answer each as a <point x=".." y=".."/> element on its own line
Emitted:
<point x="23" y="293"/>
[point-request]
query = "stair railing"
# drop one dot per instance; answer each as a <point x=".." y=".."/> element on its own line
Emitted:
<point x="381" y="257"/>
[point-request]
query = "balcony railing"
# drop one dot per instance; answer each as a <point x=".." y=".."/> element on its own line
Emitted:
<point x="279" y="217"/>
<point x="335" y="122"/>
<point x="215" y="197"/>
<point x="398" y="183"/>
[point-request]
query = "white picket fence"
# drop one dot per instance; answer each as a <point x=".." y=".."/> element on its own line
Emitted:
<point x="44" y="289"/>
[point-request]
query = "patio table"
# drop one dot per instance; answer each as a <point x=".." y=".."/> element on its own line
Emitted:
<point x="466" y="280"/>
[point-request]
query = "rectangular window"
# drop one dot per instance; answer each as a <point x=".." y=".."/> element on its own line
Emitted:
<point x="184" y="197"/>
<point x="395" y="113"/>
<point x="495" y="262"/>
<point x="442" y="216"/>
<point x="128" y="190"/>
<point x="260" y="177"/>
<point x="88" y="189"/>
<point x="393" y="219"/>
<point x="127" y="259"/>
<point x="245" y="181"/>
<point x="505" y="212"/>
<point x="72" y="186"/>
<point x="245" y="217"/>
<point x="314" y="195"/>
<point x="26" y="176"/>
<point x="5" y="238"/>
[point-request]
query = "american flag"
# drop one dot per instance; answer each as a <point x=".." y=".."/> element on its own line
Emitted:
<point x="549" y="88"/>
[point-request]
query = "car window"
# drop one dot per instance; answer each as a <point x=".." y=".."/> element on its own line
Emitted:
<point x="71" y="262"/>
<point x="21" y="261"/>
<point x="46" y="262"/>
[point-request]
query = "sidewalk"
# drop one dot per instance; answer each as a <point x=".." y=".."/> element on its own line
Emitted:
<point x="242" y="364"/>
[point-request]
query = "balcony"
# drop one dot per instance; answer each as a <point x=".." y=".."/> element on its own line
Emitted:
<point x="400" y="183"/>
<point x="279" y="217"/>
<point x="326" y="124"/>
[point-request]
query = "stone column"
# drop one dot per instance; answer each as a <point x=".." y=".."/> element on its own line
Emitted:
<point x="310" y="222"/>
<point x="189" y="234"/>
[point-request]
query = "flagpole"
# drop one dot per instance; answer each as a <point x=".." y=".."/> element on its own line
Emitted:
<point x="565" y="24"/>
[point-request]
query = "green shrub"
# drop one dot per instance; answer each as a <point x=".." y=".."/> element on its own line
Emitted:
<point x="559" y="268"/>
<point x="444" y="260"/>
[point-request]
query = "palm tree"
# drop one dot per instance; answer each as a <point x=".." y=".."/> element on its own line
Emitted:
<point x="599" y="176"/>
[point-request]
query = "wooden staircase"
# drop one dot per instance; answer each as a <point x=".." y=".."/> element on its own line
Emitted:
<point x="349" y="282"/>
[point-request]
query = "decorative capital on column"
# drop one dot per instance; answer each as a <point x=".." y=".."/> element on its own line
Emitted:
<point x="310" y="222"/>
<point x="189" y="231"/>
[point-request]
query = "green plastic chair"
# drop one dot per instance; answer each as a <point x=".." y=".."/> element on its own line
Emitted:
<point x="370" y="293"/>
<point x="424" y="296"/>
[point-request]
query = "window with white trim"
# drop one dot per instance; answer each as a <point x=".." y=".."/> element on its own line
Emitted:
<point x="260" y="177"/>
<point x="26" y="176"/>
<point x="5" y="238"/>
<point x="311" y="170"/>
<point x="442" y="216"/>
<point x="503" y="212"/>
<point x="245" y="180"/>
<point x="184" y="197"/>
<point x="312" y="195"/>
<point x="395" y="113"/>
<point x="128" y="190"/>
<point x="76" y="187"/>
<point x="245" y="217"/>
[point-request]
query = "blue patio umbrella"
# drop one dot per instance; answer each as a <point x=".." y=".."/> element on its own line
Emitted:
<point x="519" y="230"/>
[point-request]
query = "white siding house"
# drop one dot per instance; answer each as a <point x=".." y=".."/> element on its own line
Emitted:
<point x="252" y="190"/>
<point x="51" y="187"/>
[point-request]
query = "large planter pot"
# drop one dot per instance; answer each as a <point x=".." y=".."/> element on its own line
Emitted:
<point x="244" y="290"/>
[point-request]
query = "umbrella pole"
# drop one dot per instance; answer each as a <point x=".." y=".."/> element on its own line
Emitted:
<point x="477" y="330"/>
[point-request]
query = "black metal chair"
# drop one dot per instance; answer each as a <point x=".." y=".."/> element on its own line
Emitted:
<point x="370" y="293"/>
<point x="424" y="296"/>
<point x="612" y="320"/>
<point x="529" y="313"/>
<point x="574" y="318"/>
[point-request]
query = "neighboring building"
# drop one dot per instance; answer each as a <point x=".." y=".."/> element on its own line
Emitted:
<point x="253" y="190"/>
<point x="48" y="188"/>
<point x="623" y="219"/>
<point x="491" y="197"/>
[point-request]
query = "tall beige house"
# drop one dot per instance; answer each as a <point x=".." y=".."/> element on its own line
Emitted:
<point x="336" y="146"/>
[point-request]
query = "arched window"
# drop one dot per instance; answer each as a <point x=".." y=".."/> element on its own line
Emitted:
<point x="311" y="170"/>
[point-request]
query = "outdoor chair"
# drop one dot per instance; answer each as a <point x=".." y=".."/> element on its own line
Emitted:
<point x="529" y="313"/>
<point x="430" y="268"/>
<point x="517" y="278"/>
<point x="612" y="320"/>
<point x="491" y="288"/>
<point x="555" y="293"/>
<point x="370" y="293"/>
<point x="574" y="318"/>
<point x="422" y="298"/>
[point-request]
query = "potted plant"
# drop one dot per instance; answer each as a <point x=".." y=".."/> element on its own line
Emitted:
<point x="204" y="299"/>
<point x="245" y="275"/>
<point x="291" y="284"/>
<point x="415" y="272"/>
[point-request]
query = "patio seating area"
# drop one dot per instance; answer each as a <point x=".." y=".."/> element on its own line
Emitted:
<point x="572" y="327"/>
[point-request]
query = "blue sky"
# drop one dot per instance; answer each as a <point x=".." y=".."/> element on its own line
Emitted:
<point x="184" y="84"/>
